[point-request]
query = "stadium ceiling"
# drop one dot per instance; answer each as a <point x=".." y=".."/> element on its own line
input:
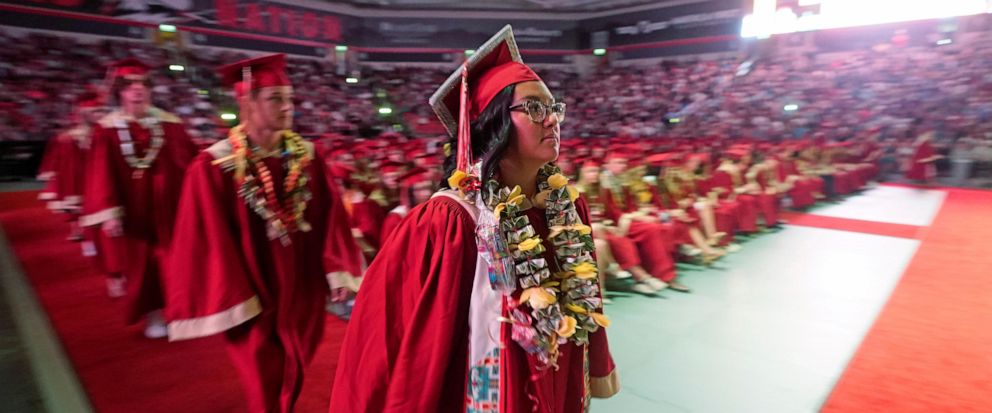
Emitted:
<point x="501" y="5"/>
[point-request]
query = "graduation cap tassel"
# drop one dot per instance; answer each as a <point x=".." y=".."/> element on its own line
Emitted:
<point x="464" y="159"/>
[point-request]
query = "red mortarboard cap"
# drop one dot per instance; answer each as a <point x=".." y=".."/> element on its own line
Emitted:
<point x="130" y="69"/>
<point x="462" y="97"/>
<point x="89" y="101"/>
<point x="255" y="73"/>
<point x="90" y="104"/>
<point x="702" y="157"/>
<point x="666" y="158"/>
<point x="414" y="176"/>
<point x="409" y="179"/>
<point x="735" y="154"/>
<point x="390" y="167"/>
<point x="616" y="154"/>
<point x="590" y="164"/>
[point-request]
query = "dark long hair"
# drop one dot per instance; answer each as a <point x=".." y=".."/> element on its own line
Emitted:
<point x="491" y="134"/>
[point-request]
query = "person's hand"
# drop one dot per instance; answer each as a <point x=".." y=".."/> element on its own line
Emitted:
<point x="113" y="227"/>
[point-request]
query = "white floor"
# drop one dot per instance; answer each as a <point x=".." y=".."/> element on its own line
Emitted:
<point x="890" y="204"/>
<point x="771" y="328"/>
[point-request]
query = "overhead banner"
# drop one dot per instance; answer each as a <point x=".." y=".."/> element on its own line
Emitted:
<point x="255" y="17"/>
<point x="261" y="24"/>
<point x="465" y="33"/>
<point x="697" y="20"/>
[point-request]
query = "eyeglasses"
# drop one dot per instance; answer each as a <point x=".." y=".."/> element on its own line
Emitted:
<point x="538" y="111"/>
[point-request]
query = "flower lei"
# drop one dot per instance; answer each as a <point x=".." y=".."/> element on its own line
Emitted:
<point x="127" y="144"/>
<point x="258" y="191"/>
<point x="565" y="303"/>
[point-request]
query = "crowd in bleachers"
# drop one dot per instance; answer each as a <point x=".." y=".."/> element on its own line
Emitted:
<point x="889" y="94"/>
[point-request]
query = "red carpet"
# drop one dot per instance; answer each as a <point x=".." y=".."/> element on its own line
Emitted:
<point x="930" y="350"/>
<point x="852" y="225"/>
<point x="120" y="369"/>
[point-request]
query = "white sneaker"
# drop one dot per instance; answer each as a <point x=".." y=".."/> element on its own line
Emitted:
<point x="656" y="284"/>
<point x="733" y="247"/>
<point x="689" y="251"/>
<point x="116" y="287"/>
<point x="155" y="327"/>
<point x="622" y="275"/>
<point x="643" y="288"/>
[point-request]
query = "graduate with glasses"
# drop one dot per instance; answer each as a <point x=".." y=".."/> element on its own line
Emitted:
<point x="486" y="298"/>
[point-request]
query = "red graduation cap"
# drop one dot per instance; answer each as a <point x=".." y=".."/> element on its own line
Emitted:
<point x="701" y="157"/>
<point x="466" y="93"/>
<point x="616" y="153"/>
<point x="90" y="104"/>
<point x="255" y="73"/>
<point x="129" y="69"/>
<point x="414" y="176"/>
<point x="391" y="167"/>
<point x="408" y="180"/>
<point x="591" y="163"/>
<point x="89" y="100"/>
<point x="736" y="154"/>
<point x="663" y="159"/>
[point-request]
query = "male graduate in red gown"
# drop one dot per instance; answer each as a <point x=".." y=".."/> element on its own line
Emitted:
<point x="62" y="166"/>
<point x="69" y="186"/>
<point x="135" y="168"/>
<point x="260" y="234"/>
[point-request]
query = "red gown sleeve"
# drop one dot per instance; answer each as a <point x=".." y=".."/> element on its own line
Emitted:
<point x="603" y="378"/>
<point x="368" y="216"/>
<point x="207" y="286"/>
<point x="722" y="179"/>
<point x="102" y="201"/>
<point x="342" y="258"/>
<point x="406" y="349"/>
<point x="54" y="154"/>
<point x="46" y="170"/>
<point x="613" y="211"/>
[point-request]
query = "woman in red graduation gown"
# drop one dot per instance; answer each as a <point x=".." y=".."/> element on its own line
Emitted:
<point x="801" y="189"/>
<point x="729" y="180"/>
<point x="621" y="247"/>
<point x="440" y="325"/>
<point x="654" y="241"/>
<point x="260" y="234"/>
